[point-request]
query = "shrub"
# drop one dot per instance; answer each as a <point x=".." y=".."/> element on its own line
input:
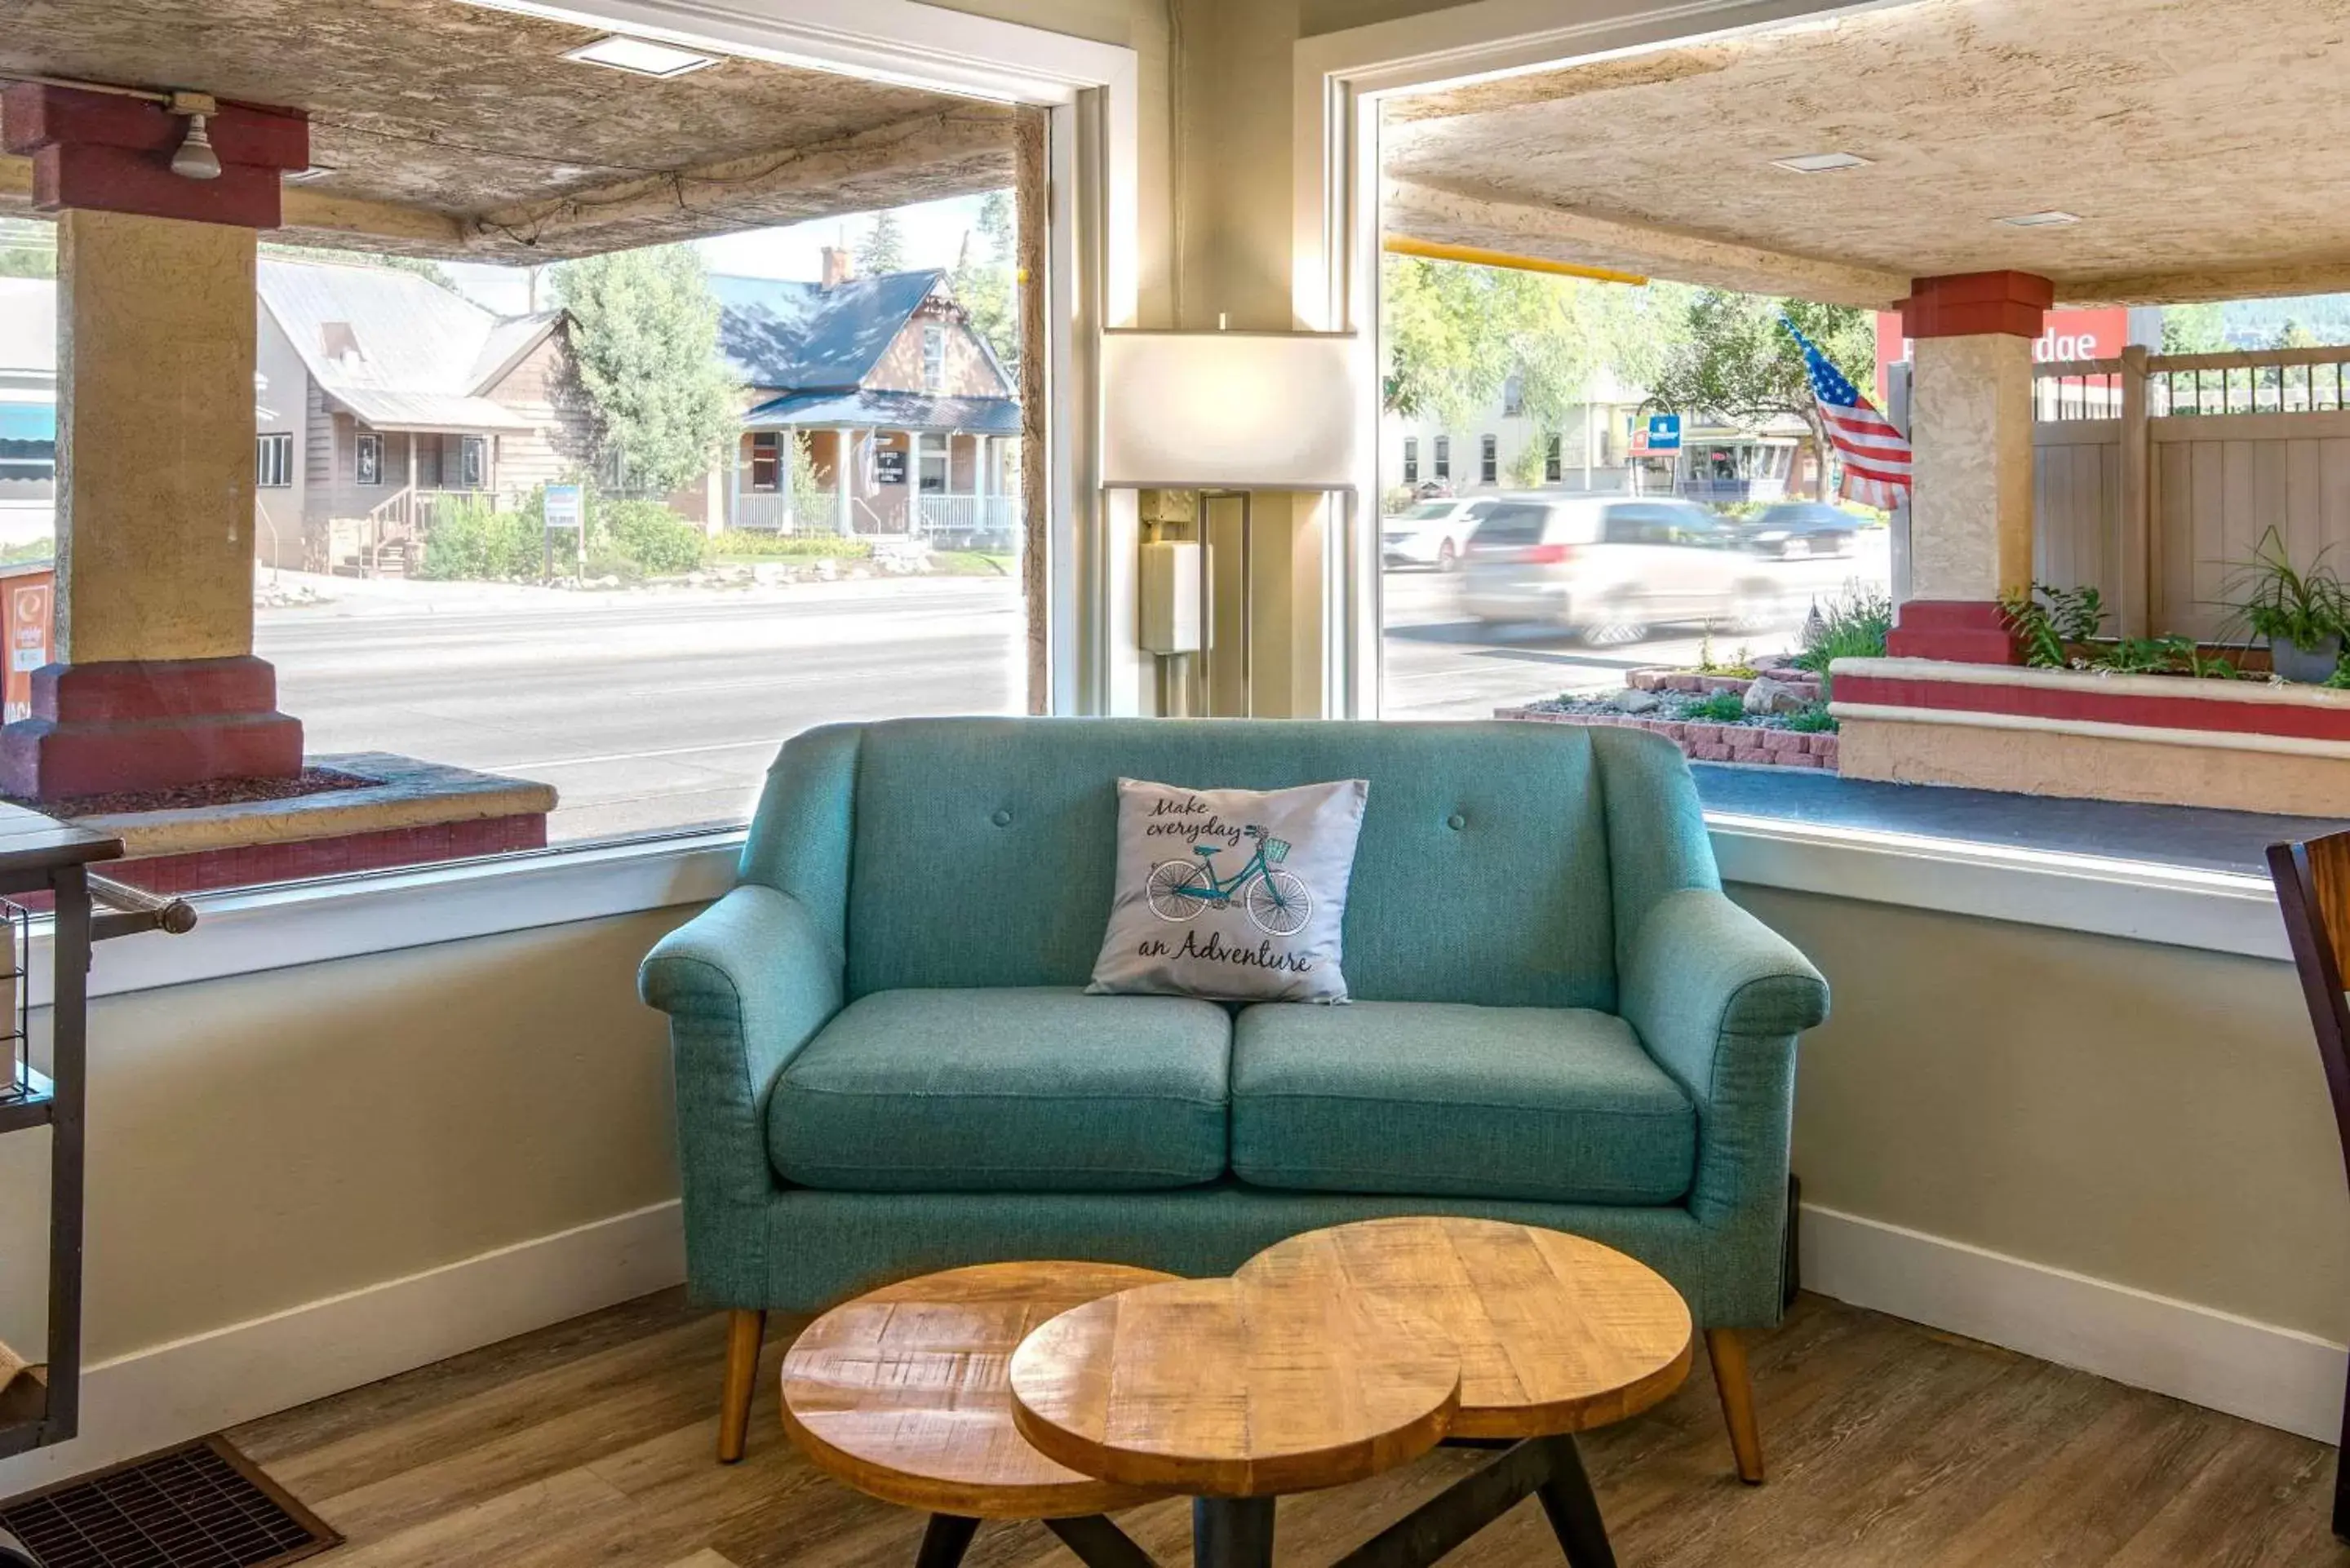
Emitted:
<point x="1721" y="707"/>
<point x="746" y="542"/>
<point x="1853" y="626"/>
<point x="647" y="533"/>
<point x="469" y="539"/>
<point x="1815" y="720"/>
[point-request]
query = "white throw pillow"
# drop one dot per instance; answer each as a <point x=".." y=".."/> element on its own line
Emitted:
<point x="1232" y="894"/>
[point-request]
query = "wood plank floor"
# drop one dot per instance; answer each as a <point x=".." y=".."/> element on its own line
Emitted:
<point x="591" y="1442"/>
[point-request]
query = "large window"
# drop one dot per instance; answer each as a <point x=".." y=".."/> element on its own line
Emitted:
<point x="1443" y="457"/>
<point x="1411" y="460"/>
<point x="1489" y="461"/>
<point x="1554" y="468"/>
<point x="272" y="459"/>
<point x="632" y="603"/>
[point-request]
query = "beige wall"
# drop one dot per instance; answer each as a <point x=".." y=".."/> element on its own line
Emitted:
<point x="264" y="1141"/>
<point x="2148" y="1116"/>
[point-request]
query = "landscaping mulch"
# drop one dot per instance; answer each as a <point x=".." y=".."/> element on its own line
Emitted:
<point x="210" y="792"/>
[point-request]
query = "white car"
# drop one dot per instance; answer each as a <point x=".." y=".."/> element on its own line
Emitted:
<point x="1432" y="533"/>
<point x="1611" y="569"/>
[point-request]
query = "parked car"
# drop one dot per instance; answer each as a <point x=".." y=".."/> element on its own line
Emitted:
<point x="1802" y="528"/>
<point x="1610" y="570"/>
<point x="1430" y="533"/>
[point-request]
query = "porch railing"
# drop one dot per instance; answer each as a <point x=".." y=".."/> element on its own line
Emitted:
<point x="773" y="510"/>
<point x="964" y="518"/>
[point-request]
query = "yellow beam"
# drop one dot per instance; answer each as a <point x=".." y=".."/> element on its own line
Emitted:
<point x="1476" y="255"/>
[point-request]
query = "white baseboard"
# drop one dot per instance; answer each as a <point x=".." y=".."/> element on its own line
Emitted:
<point x="2278" y="1377"/>
<point x="168" y="1394"/>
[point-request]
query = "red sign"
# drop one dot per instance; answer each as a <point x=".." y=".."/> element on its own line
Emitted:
<point x="27" y="602"/>
<point x="2065" y="334"/>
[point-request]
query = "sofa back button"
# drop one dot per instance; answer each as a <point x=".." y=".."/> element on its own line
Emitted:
<point x="1456" y="822"/>
<point x="1003" y="818"/>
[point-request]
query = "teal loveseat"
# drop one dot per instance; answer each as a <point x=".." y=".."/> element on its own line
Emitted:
<point x="885" y="1063"/>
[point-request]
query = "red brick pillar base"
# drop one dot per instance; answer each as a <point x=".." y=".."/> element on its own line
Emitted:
<point x="148" y="724"/>
<point x="1965" y="631"/>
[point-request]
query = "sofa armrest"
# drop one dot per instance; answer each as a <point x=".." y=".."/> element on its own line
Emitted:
<point x="1717" y="998"/>
<point x="746" y="984"/>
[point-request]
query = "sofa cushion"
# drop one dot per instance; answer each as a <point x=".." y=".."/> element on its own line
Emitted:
<point x="1006" y="1090"/>
<point x="1448" y="1100"/>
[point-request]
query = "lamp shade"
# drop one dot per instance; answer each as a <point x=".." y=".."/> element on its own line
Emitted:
<point x="1240" y="410"/>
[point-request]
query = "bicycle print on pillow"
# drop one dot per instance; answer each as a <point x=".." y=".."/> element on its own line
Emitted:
<point x="1278" y="903"/>
<point x="1254" y="883"/>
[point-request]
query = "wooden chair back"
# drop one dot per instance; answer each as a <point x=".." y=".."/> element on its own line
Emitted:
<point x="2313" y="888"/>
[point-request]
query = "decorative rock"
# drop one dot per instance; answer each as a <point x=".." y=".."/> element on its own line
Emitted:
<point x="1765" y="695"/>
<point x="1632" y="701"/>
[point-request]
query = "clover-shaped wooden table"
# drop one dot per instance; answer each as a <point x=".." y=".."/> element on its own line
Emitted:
<point x="1329" y="1358"/>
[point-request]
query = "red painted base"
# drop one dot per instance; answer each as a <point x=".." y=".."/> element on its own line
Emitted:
<point x="249" y="864"/>
<point x="138" y="724"/>
<point x="1963" y="631"/>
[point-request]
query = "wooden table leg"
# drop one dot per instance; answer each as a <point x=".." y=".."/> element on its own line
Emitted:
<point x="1232" y="1533"/>
<point x="1098" y="1544"/>
<point x="945" y="1541"/>
<point x="1574" y="1511"/>
<point x="746" y="1331"/>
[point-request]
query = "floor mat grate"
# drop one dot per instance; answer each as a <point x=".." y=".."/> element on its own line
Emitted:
<point x="203" y="1506"/>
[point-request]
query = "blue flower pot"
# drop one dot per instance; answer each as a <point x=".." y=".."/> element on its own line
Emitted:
<point x="2313" y="665"/>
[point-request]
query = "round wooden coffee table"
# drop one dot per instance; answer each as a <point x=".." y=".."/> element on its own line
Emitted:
<point x="1342" y="1352"/>
<point x="902" y="1394"/>
<point x="1060" y="1391"/>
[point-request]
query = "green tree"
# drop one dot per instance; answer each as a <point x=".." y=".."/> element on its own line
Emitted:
<point x="2294" y="335"/>
<point x="1736" y="360"/>
<point x="644" y="349"/>
<point x="28" y="248"/>
<point x="2194" y="329"/>
<point x="1455" y="333"/>
<point x="883" y="248"/>
<point x="984" y="285"/>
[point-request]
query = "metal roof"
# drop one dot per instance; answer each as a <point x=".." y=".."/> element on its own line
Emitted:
<point x="804" y="336"/>
<point x="893" y="410"/>
<point x="395" y="348"/>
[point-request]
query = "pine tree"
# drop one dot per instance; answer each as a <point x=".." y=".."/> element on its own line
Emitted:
<point x="883" y="248"/>
<point x="644" y="349"/>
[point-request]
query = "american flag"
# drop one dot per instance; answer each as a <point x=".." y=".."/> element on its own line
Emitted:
<point x="1876" y="456"/>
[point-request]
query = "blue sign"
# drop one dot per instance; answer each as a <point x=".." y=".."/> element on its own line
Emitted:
<point x="565" y="508"/>
<point x="1664" y="432"/>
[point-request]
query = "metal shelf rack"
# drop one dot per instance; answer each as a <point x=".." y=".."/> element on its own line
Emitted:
<point x="45" y="861"/>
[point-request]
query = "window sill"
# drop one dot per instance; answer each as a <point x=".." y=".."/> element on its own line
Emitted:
<point x="278" y="928"/>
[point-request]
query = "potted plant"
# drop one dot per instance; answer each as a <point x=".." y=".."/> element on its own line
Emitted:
<point x="2301" y="613"/>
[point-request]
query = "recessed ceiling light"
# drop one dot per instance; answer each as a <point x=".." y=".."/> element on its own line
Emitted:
<point x="640" y="56"/>
<point x="2048" y="220"/>
<point x="1821" y="163"/>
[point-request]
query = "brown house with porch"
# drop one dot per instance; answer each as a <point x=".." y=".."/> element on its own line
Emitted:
<point x="383" y="396"/>
<point x="911" y="422"/>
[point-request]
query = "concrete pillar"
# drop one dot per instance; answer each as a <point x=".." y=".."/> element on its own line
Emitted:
<point x="156" y="683"/>
<point x="1971" y="437"/>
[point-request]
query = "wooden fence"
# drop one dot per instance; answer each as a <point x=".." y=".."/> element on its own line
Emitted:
<point x="2153" y="476"/>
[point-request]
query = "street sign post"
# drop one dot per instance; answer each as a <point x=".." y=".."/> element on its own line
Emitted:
<point x="563" y="510"/>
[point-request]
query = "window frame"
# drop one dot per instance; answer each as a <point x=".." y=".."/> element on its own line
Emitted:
<point x="1514" y="396"/>
<point x="1554" y="458"/>
<point x="934" y="357"/>
<point x="273" y="451"/>
<point x="364" y="443"/>
<point x="1441" y="461"/>
<point x="768" y="451"/>
<point x="1489" y="460"/>
<point x="1411" y="460"/>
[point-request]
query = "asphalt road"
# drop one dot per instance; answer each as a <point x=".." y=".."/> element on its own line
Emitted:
<point x="660" y="709"/>
<point x="646" y="711"/>
<point x="1439" y="664"/>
